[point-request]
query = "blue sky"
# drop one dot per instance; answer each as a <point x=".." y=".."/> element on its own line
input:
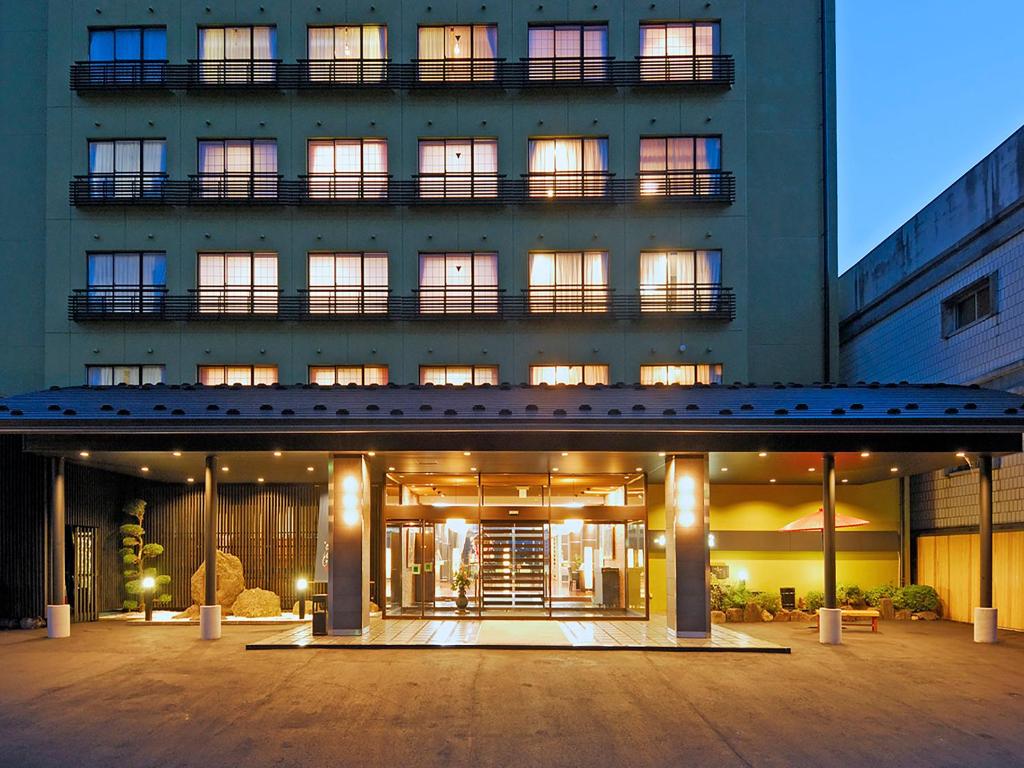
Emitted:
<point x="926" y="88"/>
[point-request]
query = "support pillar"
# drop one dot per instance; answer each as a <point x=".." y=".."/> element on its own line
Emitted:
<point x="58" y="612"/>
<point x="687" y="556"/>
<point x="209" y="611"/>
<point x="348" y="570"/>
<point x="985" y="616"/>
<point x="830" y="618"/>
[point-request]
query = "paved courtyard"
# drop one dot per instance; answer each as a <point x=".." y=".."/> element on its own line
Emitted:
<point x="914" y="694"/>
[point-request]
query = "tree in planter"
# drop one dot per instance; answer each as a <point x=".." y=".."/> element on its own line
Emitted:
<point x="134" y="552"/>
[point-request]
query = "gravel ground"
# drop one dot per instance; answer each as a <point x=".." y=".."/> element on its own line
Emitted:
<point x="914" y="694"/>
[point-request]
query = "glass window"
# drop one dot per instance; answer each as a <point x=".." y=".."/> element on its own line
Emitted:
<point x="458" y="168"/>
<point x="238" y="168"/>
<point x="246" y="375"/>
<point x="458" y="283"/>
<point x="237" y="55"/>
<point x="126" y="281"/>
<point x="237" y="282"/>
<point x="681" y="374"/>
<point x="128" y="44"/>
<point x="568" y="167"/>
<point x="127" y="167"/>
<point x="680" y="165"/>
<point x="361" y="375"/>
<point x="569" y="281"/>
<point x="673" y="51"/>
<point x="110" y="375"/>
<point x="974" y="303"/>
<point x="347" y="168"/>
<point x="348" y="54"/>
<point x="568" y="52"/>
<point x="569" y="374"/>
<point x="457" y="53"/>
<point x="458" y="375"/>
<point x="348" y="283"/>
<point x="680" y="281"/>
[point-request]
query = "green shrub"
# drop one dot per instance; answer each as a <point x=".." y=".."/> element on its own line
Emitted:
<point x="916" y="597"/>
<point x="849" y="594"/>
<point x="874" y="596"/>
<point x="737" y="596"/>
<point x="717" y="598"/>
<point x="768" y="601"/>
<point x="814" y="600"/>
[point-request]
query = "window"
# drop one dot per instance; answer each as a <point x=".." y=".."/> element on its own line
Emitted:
<point x="568" y="52"/>
<point x="109" y="375"/>
<point x="348" y="168"/>
<point x="569" y="281"/>
<point x="458" y="283"/>
<point x="681" y="374"/>
<point x="672" y="51"/>
<point x="680" y="165"/>
<point x="128" y="54"/>
<point x="569" y="167"/>
<point x="348" y="54"/>
<point x="238" y="283"/>
<point x="246" y="375"/>
<point x="131" y="168"/>
<point x="974" y="303"/>
<point x="126" y="281"/>
<point x="458" y="375"/>
<point x="237" y="168"/>
<point x="237" y="55"/>
<point x="361" y="375"/>
<point x="569" y="374"/>
<point x="348" y="283"/>
<point x="460" y="53"/>
<point x="458" y="168"/>
<point x="680" y="281"/>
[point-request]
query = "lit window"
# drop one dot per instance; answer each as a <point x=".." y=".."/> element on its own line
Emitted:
<point x="680" y="281"/>
<point x="238" y="283"/>
<point x="110" y="375"/>
<point x="348" y="283"/>
<point x="348" y="54"/>
<point x="127" y="167"/>
<point x="680" y="165"/>
<point x="458" y="283"/>
<point x="461" y="53"/>
<point x="361" y="375"/>
<point x="237" y="55"/>
<point x="678" y="51"/>
<point x="569" y="281"/>
<point x="348" y="168"/>
<point x="246" y="375"/>
<point x="569" y="167"/>
<point x="458" y="375"/>
<point x="681" y="374"/>
<point x="452" y="168"/>
<point x="126" y="281"/>
<point x="238" y="168"/>
<point x="568" y="52"/>
<point x="966" y="307"/>
<point x="569" y="374"/>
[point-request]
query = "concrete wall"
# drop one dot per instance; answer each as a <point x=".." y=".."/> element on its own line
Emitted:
<point x="771" y="238"/>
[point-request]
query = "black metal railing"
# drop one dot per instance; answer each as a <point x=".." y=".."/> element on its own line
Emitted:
<point x="441" y="187"/>
<point x="428" y="73"/>
<point x="345" y="187"/>
<point x="233" y="73"/>
<point x="119" y="188"/>
<point x="569" y="185"/>
<point x="706" y="185"/>
<point x="114" y="75"/>
<point x="340" y="73"/>
<point x="699" y="71"/>
<point x="702" y="301"/>
<point x="235" y="187"/>
<point x="581" y="70"/>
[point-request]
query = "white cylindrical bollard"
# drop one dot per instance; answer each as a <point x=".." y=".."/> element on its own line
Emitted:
<point x="830" y="626"/>
<point x="58" y="621"/>
<point x="209" y="622"/>
<point x="985" y="622"/>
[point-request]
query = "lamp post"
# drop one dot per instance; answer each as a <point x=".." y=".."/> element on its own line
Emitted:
<point x="301" y="585"/>
<point x="148" y="582"/>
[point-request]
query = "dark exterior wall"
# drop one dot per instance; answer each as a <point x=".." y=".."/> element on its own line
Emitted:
<point x="23" y="498"/>
<point x="940" y="502"/>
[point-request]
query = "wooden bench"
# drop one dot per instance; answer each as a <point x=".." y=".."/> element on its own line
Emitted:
<point x="855" y="616"/>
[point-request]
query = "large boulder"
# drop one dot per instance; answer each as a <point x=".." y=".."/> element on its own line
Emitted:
<point x="800" y="616"/>
<point x="903" y="615"/>
<point x="926" y="615"/>
<point x="230" y="581"/>
<point x="191" y="613"/>
<point x="734" y="615"/>
<point x="752" y="612"/>
<point x="718" y="617"/>
<point x="254" y="603"/>
<point x="782" y="615"/>
<point x="886" y="609"/>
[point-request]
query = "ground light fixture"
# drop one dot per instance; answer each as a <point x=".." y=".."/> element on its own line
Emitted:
<point x="148" y="582"/>
<point x="301" y="585"/>
<point x="84" y="454"/>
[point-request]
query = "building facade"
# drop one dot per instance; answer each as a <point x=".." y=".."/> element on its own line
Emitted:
<point x="941" y="300"/>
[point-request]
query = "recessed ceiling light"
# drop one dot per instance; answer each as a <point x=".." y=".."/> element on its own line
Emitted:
<point x="391" y="469"/>
<point x="309" y="469"/>
<point x="144" y="469"/>
<point x="176" y="453"/>
<point x="190" y="479"/>
<point x="894" y="469"/>
<point x="84" y="454"/>
<point x="812" y="469"/>
<point x="865" y="454"/>
<point x="565" y="453"/>
<point x="725" y="469"/>
<point x="225" y="469"/>
<point x="467" y="453"/>
<point x="762" y="454"/>
<point x="277" y="454"/>
<point x="554" y="469"/>
<point x="371" y="454"/>
<point x="259" y="480"/>
<point x="662" y="454"/>
<point x="959" y="455"/>
<point x="472" y="469"/>
<point x="638" y="469"/>
<point x="845" y="480"/>
<point x="772" y="480"/>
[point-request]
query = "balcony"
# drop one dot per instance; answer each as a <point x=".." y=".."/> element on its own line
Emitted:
<point x="343" y="73"/>
<point x="121" y="189"/>
<point x="708" y="300"/>
<point x="587" y="71"/>
<point x="696" y="72"/>
<point x="118" y="303"/>
<point x="463" y="187"/>
<point x="241" y="73"/>
<point x="441" y="73"/>
<point x="445" y="301"/>
<point x="586" y="186"/>
<point x="253" y="303"/>
<point x="327" y="303"/>
<point x="122" y="75"/>
<point x="709" y="186"/>
<point x="245" y="188"/>
<point x="572" y="300"/>
<point x="373" y="188"/>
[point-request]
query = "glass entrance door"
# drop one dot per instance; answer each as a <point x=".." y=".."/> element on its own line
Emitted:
<point x="409" y="574"/>
<point x="513" y="568"/>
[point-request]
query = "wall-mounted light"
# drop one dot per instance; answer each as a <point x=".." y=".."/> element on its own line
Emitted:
<point x="711" y="541"/>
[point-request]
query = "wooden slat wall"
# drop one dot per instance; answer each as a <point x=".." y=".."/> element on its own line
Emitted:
<point x="950" y="564"/>
<point x="24" y="482"/>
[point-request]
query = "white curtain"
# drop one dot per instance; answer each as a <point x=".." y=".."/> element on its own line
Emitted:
<point x="595" y="155"/>
<point x="321" y="270"/>
<point x="709" y="267"/>
<point x="569" y="269"/>
<point x="709" y="153"/>
<point x="264" y="43"/>
<point x="264" y="156"/>
<point x="101" y="269"/>
<point x="652" y="155"/>
<point x="375" y="156"/>
<point x="458" y="156"/>
<point x="211" y="44"/>
<point x="679" y="40"/>
<point x="652" y="40"/>
<point x="595" y="268"/>
<point x="238" y="43"/>
<point x="432" y="270"/>
<point x="101" y="157"/>
<point x="211" y="157"/>
<point x="595" y="42"/>
<point x="321" y="157"/>
<point x="485" y="41"/>
<point x="375" y="41"/>
<point x="485" y="155"/>
<point x="485" y="272"/>
<point x="127" y="157"/>
<point x="485" y="374"/>
<point x="542" y="155"/>
<point x="154" y="156"/>
<point x="431" y="43"/>
<point x="321" y="43"/>
<point x="706" y="39"/>
<point x="541" y="43"/>
<point x="595" y="374"/>
<point x="348" y="42"/>
<point x="458" y="43"/>
<point x="542" y="270"/>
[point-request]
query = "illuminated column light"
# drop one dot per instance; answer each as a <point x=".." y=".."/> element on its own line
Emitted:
<point x="686" y="501"/>
<point x="350" y="512"/>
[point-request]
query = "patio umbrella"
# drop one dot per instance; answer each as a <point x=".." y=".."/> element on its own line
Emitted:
<point x="816" y="522"/>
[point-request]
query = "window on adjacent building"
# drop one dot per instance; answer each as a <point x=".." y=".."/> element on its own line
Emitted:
<point x="966" y="307"/>
<point x="569" y="374"/>
<point x="681" y="374"/>
<point x="348" y="283"/>
<point x="568" y="167"/>
<point x="458" y="168"/>
<point x="680" y="281"/>
<point x="238" y="168"/>
<point x="458" y="283"/>
<point x="569" y="281"/>
<point x="246" y="375"/>
<point x="348" y="168"/>
<point x="459" y="53"/>
<point x="568" y="52"/>
<point x="680" y="165"/>
<point x="238" y="282"/>
<point x="127" y="281"/>
<point x="348" y="54"/>
<point x="672" y="50"/>
<point x="237" y="55"/>
<point x="110" y="375"/>
<point x="458" y="374"/>
<point x="127" y="167"/>
<point x="360" y="375"/>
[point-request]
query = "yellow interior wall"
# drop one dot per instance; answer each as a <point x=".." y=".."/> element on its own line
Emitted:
<point x="768" y="571"/>
<point x="656" y="562"/>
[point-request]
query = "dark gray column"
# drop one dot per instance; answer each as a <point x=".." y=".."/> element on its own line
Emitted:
<point x="58" y="522"/>
<point x="985" y="530"/>
<point x="687" y="557"/>
<point x="828" y="534"/>
<point x="210" y="534"/>
<point x="348" y="572"/>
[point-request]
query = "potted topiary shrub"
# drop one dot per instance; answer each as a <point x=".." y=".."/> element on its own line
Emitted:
<point x="461" y="580"/>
